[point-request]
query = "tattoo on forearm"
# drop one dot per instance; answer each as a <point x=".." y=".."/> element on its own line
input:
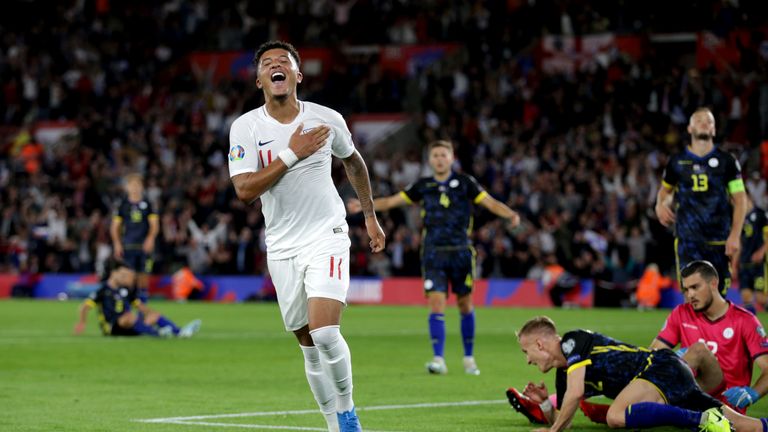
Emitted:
<point x="358" y="177"/>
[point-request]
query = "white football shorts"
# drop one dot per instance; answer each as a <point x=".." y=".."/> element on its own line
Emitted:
<point x="322" y="271"/>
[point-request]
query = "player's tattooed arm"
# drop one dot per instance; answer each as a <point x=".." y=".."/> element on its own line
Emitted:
<point x="357" y="173"/>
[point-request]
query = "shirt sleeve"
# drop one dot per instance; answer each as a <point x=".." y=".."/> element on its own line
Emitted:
<point x="118" y="213"/>
<point x="764" y="226"/>
<point x="342" y="145"/>
<point x="413" y="193"/>
<point x="475" y="192"/>
<point x="151" y="210"/>
<point x="95" y="298"/>
<point x="242" y="152"/>
<point x="670" y="331"/>
<point x="733" y="175"/>
<point x="755" y="337"/>
<point x="670" y="178"/>
<point x="576" y="347"/>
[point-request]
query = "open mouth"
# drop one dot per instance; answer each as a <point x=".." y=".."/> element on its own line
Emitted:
<point x="278" y="77"/>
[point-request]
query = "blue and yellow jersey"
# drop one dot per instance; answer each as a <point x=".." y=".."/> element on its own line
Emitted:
<point x="134" y="217"/>
<point x="753" y="234"/>
<point x="111" y="303"/>
<point x="610" y="364"/>
<point x="702" y="189"/>
<point x="446" y="209"/>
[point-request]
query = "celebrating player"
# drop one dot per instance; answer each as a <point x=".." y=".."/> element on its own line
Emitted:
<point x="282" y="152"/>
<point x="704" y="180"/>
<point x="752" y="260"/>
<point x="649" y="388"/>
<point x="115" y="299"/>
<point x="447" y="255"/>
<point x="135" y="226"/>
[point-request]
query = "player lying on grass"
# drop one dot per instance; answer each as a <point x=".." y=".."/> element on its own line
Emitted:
<point x="114" y="301"/>
<point x="649" y="388"/>
<point x="734" y="340"/>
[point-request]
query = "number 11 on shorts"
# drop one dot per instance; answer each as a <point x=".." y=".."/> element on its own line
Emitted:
<point x="338" y="268"/>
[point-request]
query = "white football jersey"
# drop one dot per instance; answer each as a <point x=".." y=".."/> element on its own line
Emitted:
<point x="303" y="206"/>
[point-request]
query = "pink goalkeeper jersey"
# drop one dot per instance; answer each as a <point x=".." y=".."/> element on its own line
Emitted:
<point x="736" y="339"/>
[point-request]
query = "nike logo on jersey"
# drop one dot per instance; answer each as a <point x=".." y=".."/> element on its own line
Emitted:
<point x="264" y="143"/>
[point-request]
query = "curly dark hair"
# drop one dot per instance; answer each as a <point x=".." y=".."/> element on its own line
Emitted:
<point x="266" y="46"/>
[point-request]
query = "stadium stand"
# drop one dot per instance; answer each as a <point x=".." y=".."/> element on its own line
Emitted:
<point x="93" y="90"/>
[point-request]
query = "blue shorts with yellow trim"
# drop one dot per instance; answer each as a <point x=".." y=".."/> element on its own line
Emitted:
<point x="138" y="260"/>
<point x="752" y="277"/>
<point x="674" y="380"/>
<point x="688" y="251"/>
<point x="457" y="266"/>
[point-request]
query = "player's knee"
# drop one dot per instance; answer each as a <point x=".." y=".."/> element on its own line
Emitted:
<point x="615" y="418"/>
<point x="696" y="354"/>
<point x="465" y="303"/>
<point x="151" y="318"/>
<point x="326" y="338"/>
<point x="126" y="320"/>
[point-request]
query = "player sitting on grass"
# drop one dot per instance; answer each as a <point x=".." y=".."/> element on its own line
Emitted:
<point x="649" y="388"/>
<point x="114" y="300"/>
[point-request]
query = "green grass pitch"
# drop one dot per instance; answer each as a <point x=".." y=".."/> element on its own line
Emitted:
<point x="243" y="362"/>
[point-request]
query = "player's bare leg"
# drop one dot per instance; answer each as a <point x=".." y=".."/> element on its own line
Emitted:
<point x="700" y="358"/>
<point x="742" y="423"/>
<point x="467" y="309"/>
<point x="437" y="301"/>
<point x="636" y="391"/>
<point x="324" y="319"/>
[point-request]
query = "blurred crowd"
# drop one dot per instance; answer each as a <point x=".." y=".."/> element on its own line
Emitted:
<point x="580" y="156"/>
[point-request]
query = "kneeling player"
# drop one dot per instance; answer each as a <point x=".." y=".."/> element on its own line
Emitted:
<point x="114" y="300"/>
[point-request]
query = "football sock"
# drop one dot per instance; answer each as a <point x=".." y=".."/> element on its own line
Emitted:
<point x="598" y="413"/>
<point x="437" y="333"/>
<point x="334" y="352"/>
<point x="321" y="386"/>
<point x="142" y="328"/>
<point x="650" y="414"/>
<point x="764" y="422"/>
<point x="163" y="322"/>
<point x="468" y="332"/>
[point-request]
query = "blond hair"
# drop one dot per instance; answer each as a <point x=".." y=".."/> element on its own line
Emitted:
<point x="133" y="177"/>
<point x="441" y="143"/>
<point x="540" y="324"/>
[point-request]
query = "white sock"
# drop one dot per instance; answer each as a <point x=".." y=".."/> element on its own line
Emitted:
<point x="322" y="388"/>
<point x="334" y="353"/>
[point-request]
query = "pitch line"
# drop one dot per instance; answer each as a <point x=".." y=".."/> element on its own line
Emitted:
<point x="195" y="420"/>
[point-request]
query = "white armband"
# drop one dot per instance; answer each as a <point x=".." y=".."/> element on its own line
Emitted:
<point x="546" y="406"/>
<point x="289" y="157"/>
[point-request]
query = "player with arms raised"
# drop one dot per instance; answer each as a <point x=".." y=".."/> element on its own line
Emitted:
<point x="705" y="181"/>
<point x="282" y="153"/>
<point x="447" y="200"/>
